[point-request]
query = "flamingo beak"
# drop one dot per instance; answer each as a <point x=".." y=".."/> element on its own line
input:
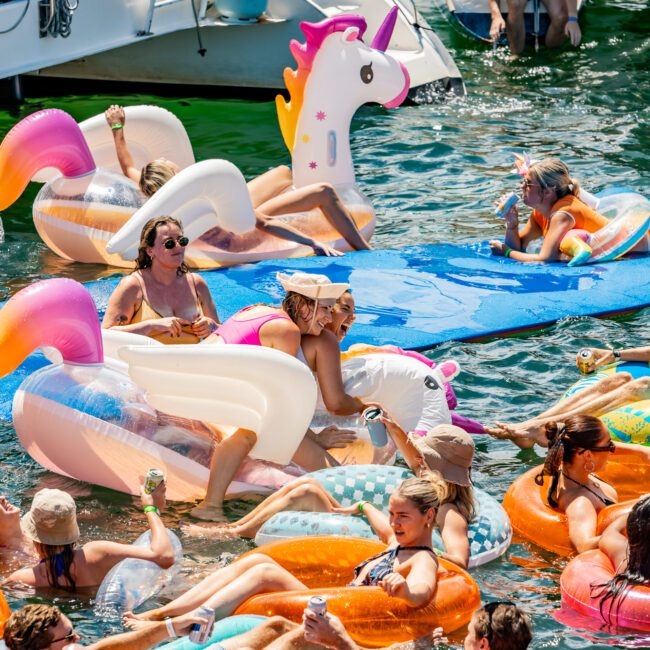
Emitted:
<point x="385" y="31"/>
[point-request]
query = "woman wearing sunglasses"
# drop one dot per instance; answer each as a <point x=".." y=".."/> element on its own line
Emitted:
<point x="577" y="449"/>
<point x="161" y="298"/>
<point x="553" y="195"/>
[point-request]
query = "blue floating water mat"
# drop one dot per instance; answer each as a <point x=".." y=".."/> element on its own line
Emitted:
<point x="420" y="296"/>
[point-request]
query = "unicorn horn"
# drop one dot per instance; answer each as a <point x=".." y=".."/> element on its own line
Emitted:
<point x="385" y="31"/>
<point x="48" y="138"/>
<point x="57" y="312"/>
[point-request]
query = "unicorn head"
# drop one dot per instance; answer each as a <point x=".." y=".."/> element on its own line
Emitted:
<point x="337" y="72"/>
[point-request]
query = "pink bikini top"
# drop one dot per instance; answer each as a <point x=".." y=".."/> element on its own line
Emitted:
<point x="246" y="331"/>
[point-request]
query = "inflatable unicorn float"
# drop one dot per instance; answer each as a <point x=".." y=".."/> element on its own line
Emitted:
<point x="87" y="212"/>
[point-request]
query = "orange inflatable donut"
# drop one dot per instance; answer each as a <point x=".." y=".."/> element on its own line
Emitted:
<point x="326" y="563"/>
<point x="531" y="517"/>
<point x="5" y="613"/>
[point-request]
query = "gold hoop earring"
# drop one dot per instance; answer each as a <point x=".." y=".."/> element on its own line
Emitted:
<point x="589" y="466"/>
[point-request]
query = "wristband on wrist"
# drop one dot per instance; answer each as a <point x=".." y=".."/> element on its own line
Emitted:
<point x="507" y="252"/>
<point x="151" y="509"/>
<point x="361" y="505"/>
<point x="617" y="354"/>
<point x="115" y="127"/>
<point x="171" y="632"/>
<point x="572" y="19"/>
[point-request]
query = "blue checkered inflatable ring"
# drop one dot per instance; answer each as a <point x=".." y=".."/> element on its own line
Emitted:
<point x="489" y="532"/>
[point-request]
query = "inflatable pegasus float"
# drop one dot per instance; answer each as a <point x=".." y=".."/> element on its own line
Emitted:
<point x="88" y="212"/>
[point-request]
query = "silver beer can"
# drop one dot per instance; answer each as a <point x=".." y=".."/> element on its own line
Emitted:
<point x="318" y="605"/>
<point x="153" y="479"/>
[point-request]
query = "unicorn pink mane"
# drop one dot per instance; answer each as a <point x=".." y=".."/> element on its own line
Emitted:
<point x="304" y="54"/>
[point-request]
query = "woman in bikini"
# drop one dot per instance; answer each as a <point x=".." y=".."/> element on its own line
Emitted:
<point x="407" y="569"/>
<point x="577" y="449"/>
<point x="51" y="527"/>
<point x="161" y="298"/>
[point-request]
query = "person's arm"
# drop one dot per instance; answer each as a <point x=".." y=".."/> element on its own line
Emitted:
<point x="572" y="27"/>
<point x="454" y="535"/>
<point x="281" y="334"/>
<point x="116" y="119"/>
<point x="515" y="239"/>
<point x="408" y="451"/>
<point x="376" y="518"/>
<point x="634" y="450"/>
<point x="103" y="555"/>
<point x="330" y="381"/>
<point x="206" y="324"/>
<point x="602" y="357"/>
<point x="582" y="518"/>
<point x="498" y="24"/>
<point x="561" y="223"/>
<point x="122" y="307"/>
<point x="283" y="230"/>
<point x="614" y="543"/>
<point x="332" y="437"/>
<point x="150" y="635"/>
<point x="418" y="587"/>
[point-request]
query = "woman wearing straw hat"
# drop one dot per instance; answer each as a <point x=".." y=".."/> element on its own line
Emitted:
<point x="51" y="525"/>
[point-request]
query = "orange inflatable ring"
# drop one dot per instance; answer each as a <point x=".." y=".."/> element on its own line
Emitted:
<point x="532" y="518"/>
<point x="5" y="613"/>
<point x="594" y="567"/>
<point x="326" y="565"/>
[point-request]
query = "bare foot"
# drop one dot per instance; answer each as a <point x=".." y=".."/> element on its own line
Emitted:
<point x="209" y="513"/>
<point x="212" y="531"/>
<point x="138" y="621"/>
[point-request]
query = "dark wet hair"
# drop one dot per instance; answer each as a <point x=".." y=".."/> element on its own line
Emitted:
<point x="54" y="556"/>
<point x="565" y="440"/>
<point x="148" y="239"/>
<point x="504" y="626"/>
<point x="614" y="592"/>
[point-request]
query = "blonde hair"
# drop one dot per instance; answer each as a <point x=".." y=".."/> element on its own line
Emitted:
<point x="461" y="496"/>
<point x="553" y="173"/>
<point x="154" y="175"/>
<point x="424" y="492"/>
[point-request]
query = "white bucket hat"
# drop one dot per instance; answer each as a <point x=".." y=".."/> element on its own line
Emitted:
<point x="313" y="285"/>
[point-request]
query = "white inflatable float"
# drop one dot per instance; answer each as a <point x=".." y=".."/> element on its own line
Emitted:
<point x="91" y="213"/>
<point x="83" y="419"/>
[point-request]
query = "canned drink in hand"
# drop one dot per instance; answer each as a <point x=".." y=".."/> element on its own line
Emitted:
<point x="318" y="605"/>
<point x="153" y="479"/>
<point x="376" y="428"/>
<point x="201" y="632"/>
<point x="585" y="361"/>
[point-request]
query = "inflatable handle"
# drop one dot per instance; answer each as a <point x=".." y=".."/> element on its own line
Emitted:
<point x="59" y="313"/>
<point x="205" y="195"/>
<point x="575" y="244"/>
<point x="133" y="581"/>
<point x="224" y="629"/>
<point x="504" y="206"/>
<point x="5" y="612"/>
<point x="49" y="138"/>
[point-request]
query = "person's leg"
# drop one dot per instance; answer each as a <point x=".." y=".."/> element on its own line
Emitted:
<point x="201" y="592"/>
<point x="515" y="26"/>
<point x="265" y="186"/>
<point x="226" y="460"/>
<point x="262" y="636"/>
<point x="311" y="456"/>
<point x="303" y="494"/>
<point x="323" y="196"/>
<point x="558" y="15"/>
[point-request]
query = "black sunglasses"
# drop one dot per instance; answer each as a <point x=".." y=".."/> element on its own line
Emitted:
<point x="70" y="636"/>
<point x="610" y="447"/>
<point x="490" y="608"/>
<point x="171" y="243"/>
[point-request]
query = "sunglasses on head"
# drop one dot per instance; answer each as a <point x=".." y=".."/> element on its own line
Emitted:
<point x="171" y="242"/>
<point x="490" y="608"/>
<point x="610" y="447"/>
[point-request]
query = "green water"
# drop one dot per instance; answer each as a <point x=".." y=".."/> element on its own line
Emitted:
<point x="432" y="173"/>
